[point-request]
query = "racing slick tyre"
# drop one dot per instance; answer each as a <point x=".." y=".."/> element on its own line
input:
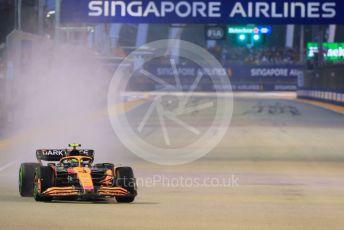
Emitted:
<point x="26" y="178"/>
<point x="125" y="179"/>
<point x="44" y="179"/>
<point x="124" y="199"/>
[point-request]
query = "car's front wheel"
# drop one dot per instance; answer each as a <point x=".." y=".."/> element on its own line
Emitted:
<point x="26" y="178"/>
<point x="125" y="179"/>
<point x="125" y="199"/>
<point x="44" y="179"/>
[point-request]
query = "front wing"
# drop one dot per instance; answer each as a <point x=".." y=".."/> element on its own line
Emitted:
<point x="102" y="191"/>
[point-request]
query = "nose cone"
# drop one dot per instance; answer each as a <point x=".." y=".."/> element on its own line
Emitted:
<point x="84" y="176"/>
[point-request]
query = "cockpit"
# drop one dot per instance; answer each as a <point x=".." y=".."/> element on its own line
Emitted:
<point x="72" y="162"/>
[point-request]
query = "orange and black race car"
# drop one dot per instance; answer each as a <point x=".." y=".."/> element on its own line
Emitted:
<point x="70" y="173"/>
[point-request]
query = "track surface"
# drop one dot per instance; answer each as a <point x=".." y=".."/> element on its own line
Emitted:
<point x="286" y="159"/>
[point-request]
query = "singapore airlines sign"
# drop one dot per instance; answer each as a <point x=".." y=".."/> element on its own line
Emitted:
<point x="203" y="11"/>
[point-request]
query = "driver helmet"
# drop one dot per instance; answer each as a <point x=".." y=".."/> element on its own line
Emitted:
<point x="74" y="162"/>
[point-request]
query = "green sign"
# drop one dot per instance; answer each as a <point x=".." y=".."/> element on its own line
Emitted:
<point x="249" y="29"/>
<point x="332" y="51"/>
<point x="240" y="29"/>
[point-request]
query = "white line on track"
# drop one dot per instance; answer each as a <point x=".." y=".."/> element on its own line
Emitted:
<point x="6" y="166"/>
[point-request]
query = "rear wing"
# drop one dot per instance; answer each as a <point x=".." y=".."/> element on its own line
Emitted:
<point x="57" y="154"/>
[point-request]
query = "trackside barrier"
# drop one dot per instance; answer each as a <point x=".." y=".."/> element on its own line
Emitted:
<point x="325" y="83"/>
<point x="243" y="77"/>
<point x="334" y="97"/>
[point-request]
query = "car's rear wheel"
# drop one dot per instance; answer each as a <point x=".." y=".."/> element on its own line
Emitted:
<point x="44" y="179"/>
<point x="125" y="179"/>
<point x="26" y="178"/>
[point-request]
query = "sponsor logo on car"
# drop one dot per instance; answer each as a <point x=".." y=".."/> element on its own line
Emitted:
<point x="55" y="152"/>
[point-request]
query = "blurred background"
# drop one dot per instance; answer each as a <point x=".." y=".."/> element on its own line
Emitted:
<point x="302" y="58"/>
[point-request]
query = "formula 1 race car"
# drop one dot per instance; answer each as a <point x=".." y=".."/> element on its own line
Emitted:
<point x="70" y="173"/>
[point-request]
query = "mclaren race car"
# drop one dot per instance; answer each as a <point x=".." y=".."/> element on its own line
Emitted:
<point x="70" y="173"/>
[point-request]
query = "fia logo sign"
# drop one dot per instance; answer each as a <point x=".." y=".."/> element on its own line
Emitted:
<point x="215" y="33"/>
